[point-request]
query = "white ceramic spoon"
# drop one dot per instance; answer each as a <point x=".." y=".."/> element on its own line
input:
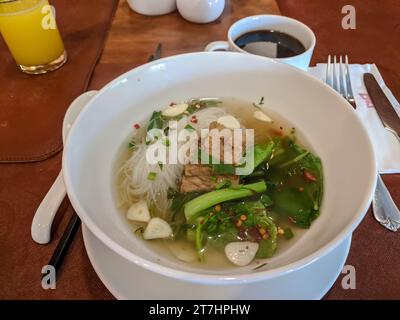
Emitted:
<point x="45" y="213"/>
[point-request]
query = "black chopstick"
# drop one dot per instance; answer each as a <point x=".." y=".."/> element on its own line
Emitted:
<point x="65" y="242"/>
<point x="74" y="223"/>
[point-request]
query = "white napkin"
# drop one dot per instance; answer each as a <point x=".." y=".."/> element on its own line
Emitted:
<point x="386" y="146"/>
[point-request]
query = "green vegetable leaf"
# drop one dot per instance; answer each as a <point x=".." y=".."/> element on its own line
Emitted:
<point x="212" y="198"/>
<point x="266" y="249"/>
<point x="268" y="246"/>
<point x="266" y="200"/>
<point x="297" y="205"/>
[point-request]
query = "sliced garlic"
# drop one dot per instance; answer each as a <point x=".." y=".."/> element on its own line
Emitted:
<point x="229" y="122"/>
<point x="241" y="253"/>
<point x="183" y="251"/>
<point x="259" y="115"/>
<point x="157" y="229"/>
<point x="175" y="110"/>
<point x="139" y="212"/>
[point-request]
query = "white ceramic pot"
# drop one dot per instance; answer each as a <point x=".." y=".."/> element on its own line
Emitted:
<point x="320" y="115"/>
<point x="152" y="7"/>
<point x="201" y="11"/>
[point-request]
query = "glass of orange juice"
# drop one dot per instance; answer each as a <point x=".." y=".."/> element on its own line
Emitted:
<point x="30" y="32"/>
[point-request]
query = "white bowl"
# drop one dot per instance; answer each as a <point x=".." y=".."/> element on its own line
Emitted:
<point x="325" y="120"/>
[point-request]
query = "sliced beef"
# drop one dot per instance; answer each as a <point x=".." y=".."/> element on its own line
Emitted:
<point x="197" y="170"/>
<point x="228" y="145"/>
<point x="200" y="177"/>
<point x="205" y="183"/>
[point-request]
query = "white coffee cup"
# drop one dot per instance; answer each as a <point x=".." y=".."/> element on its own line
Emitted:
<point x="283" y="24"/>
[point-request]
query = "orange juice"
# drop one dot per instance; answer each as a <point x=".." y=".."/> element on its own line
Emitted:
<point x="31" y="34"/>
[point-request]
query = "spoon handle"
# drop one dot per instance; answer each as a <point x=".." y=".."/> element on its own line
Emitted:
<point x="44" y="216"/>
<point x="384" y="208"/>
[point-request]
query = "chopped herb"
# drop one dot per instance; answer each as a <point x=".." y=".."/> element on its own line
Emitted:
<point x="156" y="121"/>
<point x="132" y="144"/>
<point x="161" y="165"/>
<point x="261" y="101"/>
<point x="288" y="233"/>
<point x="189" y="128"/>
<point x="223" y="168"/>
<point x="256" y="106"/>
<point x="166" y="142"/>
<point x="152" y="176"/>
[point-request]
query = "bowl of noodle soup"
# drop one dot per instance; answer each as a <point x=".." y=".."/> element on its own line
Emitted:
<point x="107" y="169"/>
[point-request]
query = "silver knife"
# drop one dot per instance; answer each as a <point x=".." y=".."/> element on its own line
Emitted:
<point x="383" y="206"/>
<point x="383" y="107"/>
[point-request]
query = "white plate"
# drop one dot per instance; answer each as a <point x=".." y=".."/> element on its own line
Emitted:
<point x="129" y="281"/>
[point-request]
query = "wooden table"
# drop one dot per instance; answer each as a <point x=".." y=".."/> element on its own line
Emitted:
<point x="134" y="37"/>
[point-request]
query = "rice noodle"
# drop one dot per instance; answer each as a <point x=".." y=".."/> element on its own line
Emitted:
<point x="134" y="173"/>
<point x="136" y="185"/>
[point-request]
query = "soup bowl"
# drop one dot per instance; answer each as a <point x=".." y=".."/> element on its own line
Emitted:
<point x="325" y="121"/>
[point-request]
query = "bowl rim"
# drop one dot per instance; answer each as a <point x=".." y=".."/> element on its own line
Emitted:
<point x="215" y="278"/>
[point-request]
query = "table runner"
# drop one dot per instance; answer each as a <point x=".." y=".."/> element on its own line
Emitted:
<point x="375" y="251"/>
<point x="32" y="108"/>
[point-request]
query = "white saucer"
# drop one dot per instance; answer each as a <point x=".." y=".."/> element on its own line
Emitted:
<point x="127" y="281"/>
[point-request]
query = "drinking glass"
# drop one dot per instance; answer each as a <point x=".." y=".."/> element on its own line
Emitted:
<point x="30" y="31"/>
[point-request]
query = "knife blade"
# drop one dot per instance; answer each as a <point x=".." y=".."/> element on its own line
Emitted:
<point x="383" y="107"/>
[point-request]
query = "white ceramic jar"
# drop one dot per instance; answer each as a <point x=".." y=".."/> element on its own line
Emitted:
<point x="152" y="7"/>
<point x="201" y="11"/>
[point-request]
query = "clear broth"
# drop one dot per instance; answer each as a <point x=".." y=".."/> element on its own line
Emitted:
<point x="215" y="258"/>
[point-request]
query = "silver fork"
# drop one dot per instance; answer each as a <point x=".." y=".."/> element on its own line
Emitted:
<point x="341" y="83"/>
<point x="384" y="209"/>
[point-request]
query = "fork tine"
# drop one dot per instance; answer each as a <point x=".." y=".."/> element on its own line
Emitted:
<point x="350" y="95"/>
<point x="341" y="78"/>
<point x="328" y="72"/>
<point x="335" y="84"/>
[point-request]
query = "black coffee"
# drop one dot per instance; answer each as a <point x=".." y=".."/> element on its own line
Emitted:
<point x="270" y="43"/>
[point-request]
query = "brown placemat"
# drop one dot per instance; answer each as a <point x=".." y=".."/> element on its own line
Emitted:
<point x="375" y="251"/>
<point x="32" y="108"/>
